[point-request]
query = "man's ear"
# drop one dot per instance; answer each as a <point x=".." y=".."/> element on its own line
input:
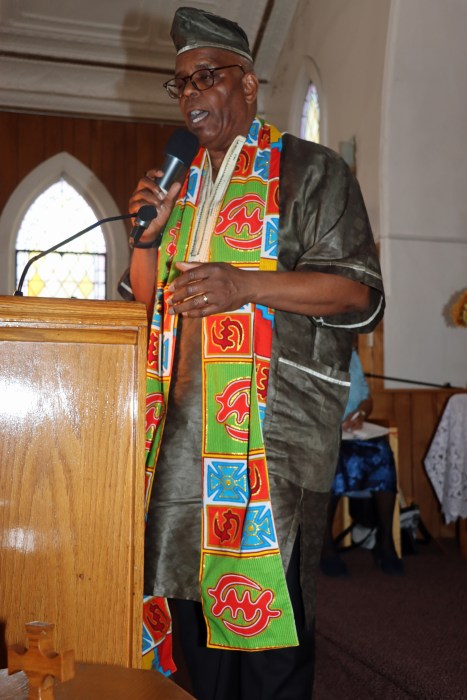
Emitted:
<point x="250" y="87"/>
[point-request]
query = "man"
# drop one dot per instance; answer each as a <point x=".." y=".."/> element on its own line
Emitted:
<point x="266" y="270"/>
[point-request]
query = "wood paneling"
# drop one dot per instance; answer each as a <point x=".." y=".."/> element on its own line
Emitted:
<point x="119" y="153"/>
<point x="8" y="156"/>
<point x="415" y="413"/>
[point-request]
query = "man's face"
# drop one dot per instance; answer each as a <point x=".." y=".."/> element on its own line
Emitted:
<point x="225" y="110"/>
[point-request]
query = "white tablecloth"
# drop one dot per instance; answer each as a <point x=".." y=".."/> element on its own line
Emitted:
<point x="446" y="460"/>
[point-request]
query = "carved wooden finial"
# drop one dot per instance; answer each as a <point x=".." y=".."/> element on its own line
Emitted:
<point x="40" y="662"/>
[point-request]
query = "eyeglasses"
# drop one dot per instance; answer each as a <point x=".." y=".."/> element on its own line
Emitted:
<point x="201" y="79"/>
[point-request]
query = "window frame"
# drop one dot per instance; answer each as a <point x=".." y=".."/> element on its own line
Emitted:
<point x="94" y="192"/>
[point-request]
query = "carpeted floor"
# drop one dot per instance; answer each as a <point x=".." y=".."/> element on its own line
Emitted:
<point x="383" y="637"/>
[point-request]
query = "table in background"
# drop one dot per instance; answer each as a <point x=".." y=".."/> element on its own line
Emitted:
<point x="100" y="682"/>
<point x="446" y="464"/>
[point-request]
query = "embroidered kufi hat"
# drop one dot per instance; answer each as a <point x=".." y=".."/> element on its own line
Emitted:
<point x="194" y="29"/>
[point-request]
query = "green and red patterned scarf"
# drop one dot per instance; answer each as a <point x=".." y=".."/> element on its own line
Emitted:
<point x="244" y="593"/>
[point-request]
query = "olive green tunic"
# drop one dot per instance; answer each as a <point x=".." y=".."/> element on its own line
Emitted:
<point x="324" y="227"/>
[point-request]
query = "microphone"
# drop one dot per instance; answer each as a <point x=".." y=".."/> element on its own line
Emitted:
<point x="121" y="217"/>
<point x="145" y="215"/>
<point x="180" y="150"/>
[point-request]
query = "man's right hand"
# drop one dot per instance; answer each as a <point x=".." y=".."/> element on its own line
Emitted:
<point x="148" y="192"/>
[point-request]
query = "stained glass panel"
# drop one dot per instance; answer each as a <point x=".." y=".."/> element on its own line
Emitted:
<point x="78" y="269"/>
<point x="309" y="129"/>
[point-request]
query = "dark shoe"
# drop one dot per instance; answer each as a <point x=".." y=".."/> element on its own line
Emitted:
<point x="333" y="566"/>
<point x="389" y="563"/>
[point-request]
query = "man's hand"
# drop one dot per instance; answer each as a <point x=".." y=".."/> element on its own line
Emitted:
<point x="208" y="288"/>
<point x="148" y="192"/>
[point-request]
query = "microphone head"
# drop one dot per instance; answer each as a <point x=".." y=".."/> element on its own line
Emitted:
<point x="145" y="215"/>
<point x="183" y="145"/>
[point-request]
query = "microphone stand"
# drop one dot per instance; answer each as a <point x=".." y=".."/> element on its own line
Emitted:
<point x="410" y="381"/>
<point x="19" y="293"/>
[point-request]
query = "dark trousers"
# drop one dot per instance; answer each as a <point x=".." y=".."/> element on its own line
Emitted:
<point x="276" y="674"/>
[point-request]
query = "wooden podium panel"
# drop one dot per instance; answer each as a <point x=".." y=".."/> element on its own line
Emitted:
<point x="72" y="392"/>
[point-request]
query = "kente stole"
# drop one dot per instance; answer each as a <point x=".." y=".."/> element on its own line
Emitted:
<point x="244" y="593"/>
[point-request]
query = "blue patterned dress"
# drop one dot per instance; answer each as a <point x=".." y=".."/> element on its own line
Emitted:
<point x="364" y="465"/>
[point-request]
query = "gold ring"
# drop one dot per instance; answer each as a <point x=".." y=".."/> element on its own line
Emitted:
<point x="205" y="299"/>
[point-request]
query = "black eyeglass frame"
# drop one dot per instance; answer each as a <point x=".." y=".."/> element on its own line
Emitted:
<point x="170" y="84"/>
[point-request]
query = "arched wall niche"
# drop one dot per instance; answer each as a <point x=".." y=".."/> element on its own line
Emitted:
<point x="88" y="186"/>
<point x="308" y="73"/>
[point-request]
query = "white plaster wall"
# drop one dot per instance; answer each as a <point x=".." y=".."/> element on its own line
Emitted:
<point x="340" y="45"/>
<point x="393" y="73"/>
<point x="424" y="189"/>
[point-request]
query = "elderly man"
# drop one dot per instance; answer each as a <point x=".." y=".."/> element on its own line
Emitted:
<point x="266" y="270"/>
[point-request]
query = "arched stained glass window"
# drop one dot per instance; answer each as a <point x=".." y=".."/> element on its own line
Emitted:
<point x="309" y="128"/>
<point x="76" y="270"/>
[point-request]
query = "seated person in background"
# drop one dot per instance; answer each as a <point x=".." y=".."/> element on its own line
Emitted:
<point x="364" y="465"/>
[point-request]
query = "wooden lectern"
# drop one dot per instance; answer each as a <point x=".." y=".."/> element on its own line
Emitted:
<point x="72" y="396"/>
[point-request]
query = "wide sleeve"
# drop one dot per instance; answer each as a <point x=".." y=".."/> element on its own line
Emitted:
<point x="325" y="213"/>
